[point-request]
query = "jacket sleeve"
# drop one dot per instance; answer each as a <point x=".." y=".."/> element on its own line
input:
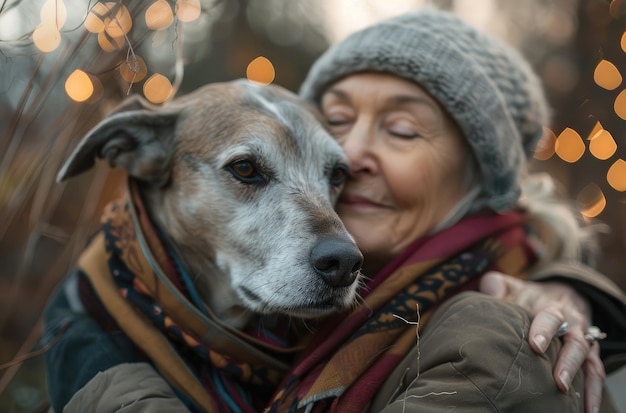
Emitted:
<point x="607" y="300"/>
<point x="126" y="388"/>
<point x="474" y="356"/>
<point x="82" y="348"/>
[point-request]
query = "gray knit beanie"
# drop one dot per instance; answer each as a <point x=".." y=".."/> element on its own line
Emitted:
<point x="487" y="87"/>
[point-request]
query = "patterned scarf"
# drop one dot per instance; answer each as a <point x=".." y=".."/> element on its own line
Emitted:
<point x="352" y="355"/>
<point x="142" y="286"/>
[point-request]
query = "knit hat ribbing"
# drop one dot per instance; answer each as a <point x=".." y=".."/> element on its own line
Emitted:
<point x="487" y="87"/>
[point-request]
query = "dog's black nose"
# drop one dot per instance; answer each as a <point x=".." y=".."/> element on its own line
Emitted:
<point x="337" y="261"/>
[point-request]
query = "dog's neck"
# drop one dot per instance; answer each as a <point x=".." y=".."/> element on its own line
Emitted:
<point x="212" y="285"/>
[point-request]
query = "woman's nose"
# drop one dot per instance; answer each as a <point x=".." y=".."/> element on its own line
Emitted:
<point x="358" y="144"/>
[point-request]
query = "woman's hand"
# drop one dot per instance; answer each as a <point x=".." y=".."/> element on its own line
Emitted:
<point x="552" y="304"/>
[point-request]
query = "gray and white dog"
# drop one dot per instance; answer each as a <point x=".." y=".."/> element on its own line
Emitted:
<point x="242" y="179"/>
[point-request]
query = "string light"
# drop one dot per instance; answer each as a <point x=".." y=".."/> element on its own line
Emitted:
<point x="94" y="22"/>
<point x="133" y="69"/>
<point x="108" y="43"/>
<point x="120" y="24"/>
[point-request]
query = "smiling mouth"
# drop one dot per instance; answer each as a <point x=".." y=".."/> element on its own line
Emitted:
<point x="357" y="201"/>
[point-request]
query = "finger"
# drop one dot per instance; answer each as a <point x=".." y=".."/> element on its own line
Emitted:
<point x="544" y="327"/>
<point x="574" y="352"/>
<point x="496" y="284"/>
<point x="595" y="377"/>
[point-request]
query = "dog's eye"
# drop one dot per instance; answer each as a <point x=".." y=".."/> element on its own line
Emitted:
<point x="338" y="175"/>
<point x="245" y="171"/>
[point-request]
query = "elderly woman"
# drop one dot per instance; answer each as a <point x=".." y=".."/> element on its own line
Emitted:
<point x="438" y="121"/>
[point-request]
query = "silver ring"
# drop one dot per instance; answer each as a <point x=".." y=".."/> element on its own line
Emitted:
<point x="594" y="334"/>
<point x="562" y="329"/>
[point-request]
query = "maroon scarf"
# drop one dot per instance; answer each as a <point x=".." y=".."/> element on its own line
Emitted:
<point x="353" y="354"/>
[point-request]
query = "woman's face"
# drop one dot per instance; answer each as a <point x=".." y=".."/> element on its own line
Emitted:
<point x="407" y="162"/>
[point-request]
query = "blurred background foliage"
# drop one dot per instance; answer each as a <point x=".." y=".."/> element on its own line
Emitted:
<point x="65" y="63"/>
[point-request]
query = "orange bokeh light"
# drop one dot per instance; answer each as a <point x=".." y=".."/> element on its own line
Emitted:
<point x="261" y="70"/>
<point x="620" y="104"/>
<point x="120" y="24"/>
<point x="108" y="43"/>
<point x="94" y="22"/>
<point x="546" y="145"/>
<point x="54" y="12"/>
<point x="607" y="76"/>
<point x="602" y="145"/>
<point x="133" y="69"/>
<point x="188" y="10"/>
<point x="616" y="175"/>
<point x="159" y="15"/>
<point x="569" y="145"/>
<point x="158" y="88"/>
<point x="46" y="37"/>
<point x="79" y="86"/>
<point x="591" y="201"/>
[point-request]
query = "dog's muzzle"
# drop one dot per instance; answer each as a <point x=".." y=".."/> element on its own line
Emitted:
<point x="337" y="261"/>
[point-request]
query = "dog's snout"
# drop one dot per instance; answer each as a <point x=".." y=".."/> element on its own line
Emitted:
<point x="336" y="261"/>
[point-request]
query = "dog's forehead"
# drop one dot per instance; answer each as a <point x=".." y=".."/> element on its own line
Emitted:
<point x="244" y="113"/>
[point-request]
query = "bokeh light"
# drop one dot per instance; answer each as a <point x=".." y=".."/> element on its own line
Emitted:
<point x="261" y="70"/>
<point x="616" y="175"/>
<point x="546" y="145"/>
<point x="79" y="86"/>
<point x="94" y="22"/>
<point x="607" y="76"/>
<point x="54" y="12"/>
<point x="133" y="69"/>
<point x="157" y="88"/>
<point x="569" y="145"/>
<point x="159" y="15"/>
<point x="601" y="143"/>
<point x="188" y="10"/>
<point x="623" y="42"/>
<point x="46" y="37"/>
<point x="98" y="89"/>
<point x="591" y="201"/>
<point x="620" y="104"/>
<point x="108" y="43"/>
<point x="120" y="24"/>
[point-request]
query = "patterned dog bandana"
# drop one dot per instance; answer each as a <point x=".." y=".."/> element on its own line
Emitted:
<point x="144" y="288"/>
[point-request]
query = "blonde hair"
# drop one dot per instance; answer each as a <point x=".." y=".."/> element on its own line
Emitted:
<point x="556" y="222"/>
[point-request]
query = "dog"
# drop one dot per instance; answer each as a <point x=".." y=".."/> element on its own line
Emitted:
<point x="242" y="180"/>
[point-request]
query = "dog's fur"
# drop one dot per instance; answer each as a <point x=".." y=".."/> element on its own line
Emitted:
<point x="242" y="180"/>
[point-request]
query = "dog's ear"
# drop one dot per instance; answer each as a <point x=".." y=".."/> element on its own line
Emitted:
<point x="137" y="137"/>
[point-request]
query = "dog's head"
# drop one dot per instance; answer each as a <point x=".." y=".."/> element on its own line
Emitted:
<point x="242" y="179"/>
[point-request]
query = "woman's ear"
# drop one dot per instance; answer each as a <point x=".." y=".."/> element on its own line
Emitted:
<point x="137" y="137"/>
